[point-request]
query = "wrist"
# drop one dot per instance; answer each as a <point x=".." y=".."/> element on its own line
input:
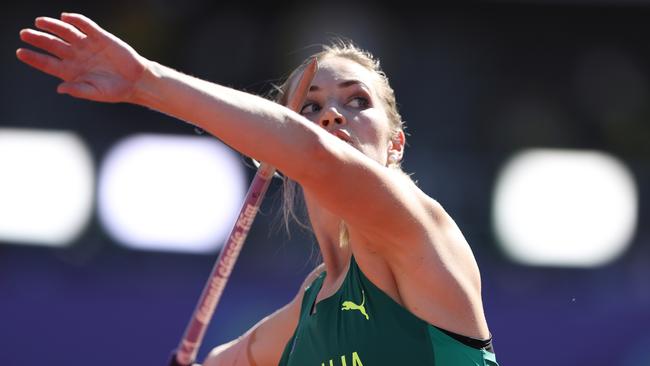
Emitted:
<point x="144" y="88"/>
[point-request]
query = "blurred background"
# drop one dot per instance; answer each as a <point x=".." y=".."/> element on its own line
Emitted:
<point x="527" y="120"/>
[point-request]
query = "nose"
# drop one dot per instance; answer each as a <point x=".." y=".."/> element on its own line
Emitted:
<point x="331" y="118"/>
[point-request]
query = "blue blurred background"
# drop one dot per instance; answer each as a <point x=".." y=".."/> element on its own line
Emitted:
<point x="477" y="83"/>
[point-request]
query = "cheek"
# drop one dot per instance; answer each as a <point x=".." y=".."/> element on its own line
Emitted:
<point x="373" y="135"/>
<point x="378" y="126"/>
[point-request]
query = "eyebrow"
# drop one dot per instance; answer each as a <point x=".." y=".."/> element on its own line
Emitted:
<point x="343" y="84"/>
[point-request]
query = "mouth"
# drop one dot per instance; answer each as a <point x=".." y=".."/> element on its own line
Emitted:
<point x="343" y="135"/>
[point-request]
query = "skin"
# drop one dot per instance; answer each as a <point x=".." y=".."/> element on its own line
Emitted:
<point x="337" y="149"/>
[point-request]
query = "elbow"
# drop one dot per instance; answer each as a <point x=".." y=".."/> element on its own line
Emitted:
<point x="314" y="160"/>
<point x="309" y="154"/>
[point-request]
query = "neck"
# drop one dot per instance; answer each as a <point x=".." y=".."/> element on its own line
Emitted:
<point x="326" y="227"/>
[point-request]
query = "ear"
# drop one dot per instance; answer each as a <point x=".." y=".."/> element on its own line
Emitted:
<point x="397" y="144"/>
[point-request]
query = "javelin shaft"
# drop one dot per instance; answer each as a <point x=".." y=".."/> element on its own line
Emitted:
<point x="188" y="348"/>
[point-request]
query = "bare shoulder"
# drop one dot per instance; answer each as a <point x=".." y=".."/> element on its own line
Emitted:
<point x="297" y="300"/>
<point x="269" y="341"/>
<point x="412" y="219"/>
<point x="264" y="343"/>
<point x="435" y="271"/>
<point x="313" y="275"/>
<point x="434" y="237"/>
<point x="424" y="207"/>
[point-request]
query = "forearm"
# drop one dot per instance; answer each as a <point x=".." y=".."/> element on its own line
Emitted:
<point x="250" y="124"/>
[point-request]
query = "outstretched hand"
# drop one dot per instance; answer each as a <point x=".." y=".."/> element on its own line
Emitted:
<point x="92" y="63"/>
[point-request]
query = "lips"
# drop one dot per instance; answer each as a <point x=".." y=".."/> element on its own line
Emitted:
<point x="343" y="135"/>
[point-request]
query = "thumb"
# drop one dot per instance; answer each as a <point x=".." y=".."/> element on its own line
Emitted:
<point x="77" y="89"/>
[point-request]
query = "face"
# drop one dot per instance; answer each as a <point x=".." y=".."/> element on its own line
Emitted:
<point x="343" y="99"/>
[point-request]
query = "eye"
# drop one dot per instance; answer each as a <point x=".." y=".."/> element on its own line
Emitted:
<point x="359" y="102"/>
<point x="310" y="108"/>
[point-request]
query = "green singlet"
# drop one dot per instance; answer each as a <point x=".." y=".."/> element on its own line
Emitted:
<point x="362" y="326"/>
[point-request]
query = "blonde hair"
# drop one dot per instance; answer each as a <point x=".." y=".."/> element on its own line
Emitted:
<point x="348" y="50"/>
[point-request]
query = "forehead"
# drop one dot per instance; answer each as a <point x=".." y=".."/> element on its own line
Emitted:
<point x="333" y="70"/>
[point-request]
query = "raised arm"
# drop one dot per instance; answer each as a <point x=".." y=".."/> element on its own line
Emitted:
<point x="96" y="65"/>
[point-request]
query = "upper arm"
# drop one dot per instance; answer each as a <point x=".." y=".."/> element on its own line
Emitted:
<point x="378" y="200"/>
<point x="264" y="343"/>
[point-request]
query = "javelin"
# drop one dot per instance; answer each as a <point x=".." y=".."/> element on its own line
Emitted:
<point x="185" y="354"/>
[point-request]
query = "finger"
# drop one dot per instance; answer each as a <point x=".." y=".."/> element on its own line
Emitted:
<point x="47" y="42"/>
<point x="85" y="24"/>
<point x="300" y="93"/>
<point x="63" y="30"/>
<point x="45" y="63"/>
<point x="78" y="89"/>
